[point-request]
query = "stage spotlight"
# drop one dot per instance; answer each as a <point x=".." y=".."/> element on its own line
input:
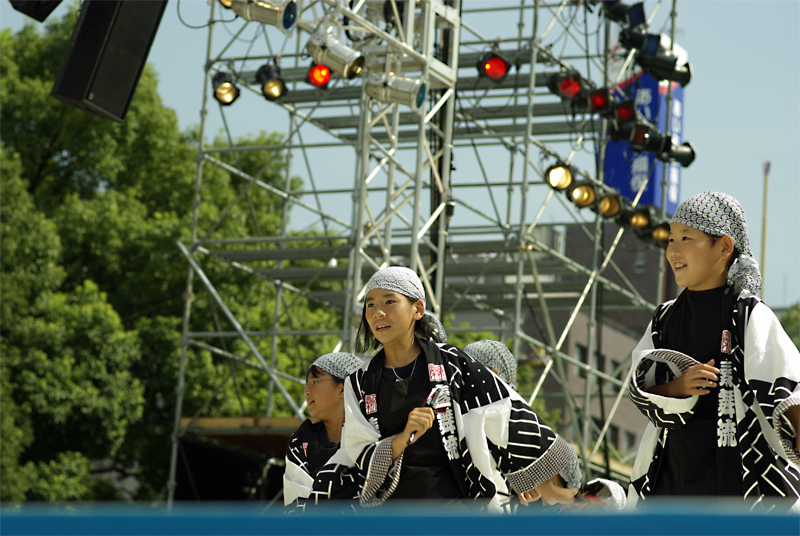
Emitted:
<point x="559" y="176"/>
<point x="397" y="89"/>
<point x="324" y="48"/>
<point x="638" y="218"/>
<point x="610" y="206"/>
<point x="272" y="85"/>
<point x="225" y="91"/>
<point x="279" y="13"/>
<point x="318" y="75"/>
<point x="601" y="102"/>
<point x="493" y="65"/>
<point x="631" y="16"/>
<point x="625" y="111"/>
<point x="665" y="67"/>
<point x="647" y="44"/>
<point x="661" y="65"/>
<point x="582" y="194"/>
<point x="226" y="3"/>
<point x="643" y="138"/>
<point x="568" y="85"/>
<point x="661" y="234"/>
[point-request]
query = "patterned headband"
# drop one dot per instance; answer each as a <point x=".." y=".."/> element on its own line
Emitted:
<point x="338" y="364"/>
<point x="406" y="282"/>
<point x="495" y="355"/>
<point x="720" y="214"/>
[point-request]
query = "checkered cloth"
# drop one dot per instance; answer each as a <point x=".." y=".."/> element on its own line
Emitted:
<point x="495" y="355"/>
<point x="338" y="364"/>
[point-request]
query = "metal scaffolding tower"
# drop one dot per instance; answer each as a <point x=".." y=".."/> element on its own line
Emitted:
<point x="453" y="190"/>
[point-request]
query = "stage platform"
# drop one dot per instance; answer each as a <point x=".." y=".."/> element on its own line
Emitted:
<point x="685" y="519"/>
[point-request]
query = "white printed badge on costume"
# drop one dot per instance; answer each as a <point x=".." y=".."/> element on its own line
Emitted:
<point x="371" y="403"/>
<point x="436" y="372"/>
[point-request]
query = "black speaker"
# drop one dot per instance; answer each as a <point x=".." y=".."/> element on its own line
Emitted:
<point x="106" y="54"/>
<point x="36" y="9"/>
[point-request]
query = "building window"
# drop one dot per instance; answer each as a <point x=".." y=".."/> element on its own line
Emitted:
<point x="599" y="361"/>
<point x="616" y="368"/>
<point x="613" y="435"/>
<point x="638" y="262"/>
<point x="630" y="442"/>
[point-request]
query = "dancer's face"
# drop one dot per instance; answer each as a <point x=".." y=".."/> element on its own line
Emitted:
<point x="391" y="316"/>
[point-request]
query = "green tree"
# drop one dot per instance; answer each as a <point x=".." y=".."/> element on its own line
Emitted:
<point x="791" y="323"/>
<point x="106" y="204"/>
<point x="67" y="391"/>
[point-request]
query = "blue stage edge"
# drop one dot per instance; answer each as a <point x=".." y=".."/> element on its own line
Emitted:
<point x="685" y="519"/>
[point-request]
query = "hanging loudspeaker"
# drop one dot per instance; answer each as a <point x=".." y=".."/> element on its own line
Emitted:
<point x="106" y="54"/>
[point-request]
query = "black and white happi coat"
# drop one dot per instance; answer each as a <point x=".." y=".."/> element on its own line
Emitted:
<point x="759" y="375"/>
<point x="303" y="452"/>
<point x="482" y="409"/>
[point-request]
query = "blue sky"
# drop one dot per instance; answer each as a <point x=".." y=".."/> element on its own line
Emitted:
<point x="742" y="107"/>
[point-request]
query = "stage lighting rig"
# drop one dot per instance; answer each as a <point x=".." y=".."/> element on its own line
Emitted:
<point x="325" y="49"/>
<point x="639" y="219"/>
<point x="318" y="75"/>
<point x="630" y="15"/>
<point x="601" y="102"/>
<point x="225" y="90"/>
<point x="570" y="86"/>
<point x="610" y="205"/>
<point x="559" y="176"/>
<point x="494" y="66"/>
<point x="273" y="87"/>
<point x="661" y="64"/>
<point x="279" y="13"/>
<point x="397" y="89"/>
<point x="660" y="234"/>
<point x="644" y="138"/>
<point x="582" y="194"/>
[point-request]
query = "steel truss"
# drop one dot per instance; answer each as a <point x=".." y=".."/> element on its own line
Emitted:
<point x="483" y="239"/>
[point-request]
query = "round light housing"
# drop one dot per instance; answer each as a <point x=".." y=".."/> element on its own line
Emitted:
<point x="610" y="206"/>
<point x="559" y="176"/>
<point x="582" y="195"/>
<point x="319" y="75"/>
<point x="640" y="219"/>
<point x="661" y="234"/>
<point x="225" y="91"/>
<point x="570" y="87"/>
<point x="272" y="85"/>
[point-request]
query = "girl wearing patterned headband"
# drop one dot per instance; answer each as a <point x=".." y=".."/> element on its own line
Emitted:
<point x="317" y="439"/>
<point x="715" y="372"/>
<point x="420" y="416"/>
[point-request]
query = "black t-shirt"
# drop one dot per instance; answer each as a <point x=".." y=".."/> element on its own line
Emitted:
<point x="693" y="463"/>
<point x="426" y="471"/>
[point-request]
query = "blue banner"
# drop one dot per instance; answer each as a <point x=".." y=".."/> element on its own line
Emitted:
<point x="626" y="169"/>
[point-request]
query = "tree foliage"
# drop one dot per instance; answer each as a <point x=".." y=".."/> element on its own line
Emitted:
<point x="93" y="282"/>
<point x="791" y="323"/>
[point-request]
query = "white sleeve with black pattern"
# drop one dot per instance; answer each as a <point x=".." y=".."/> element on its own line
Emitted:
<point x="772" y="370"/>
<point x="654" y="367"/>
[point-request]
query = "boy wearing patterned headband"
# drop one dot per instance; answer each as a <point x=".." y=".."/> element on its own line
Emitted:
<point x="715" y="373"/>
<point x="419" y="417"/>
<point x="316" y="441"/>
